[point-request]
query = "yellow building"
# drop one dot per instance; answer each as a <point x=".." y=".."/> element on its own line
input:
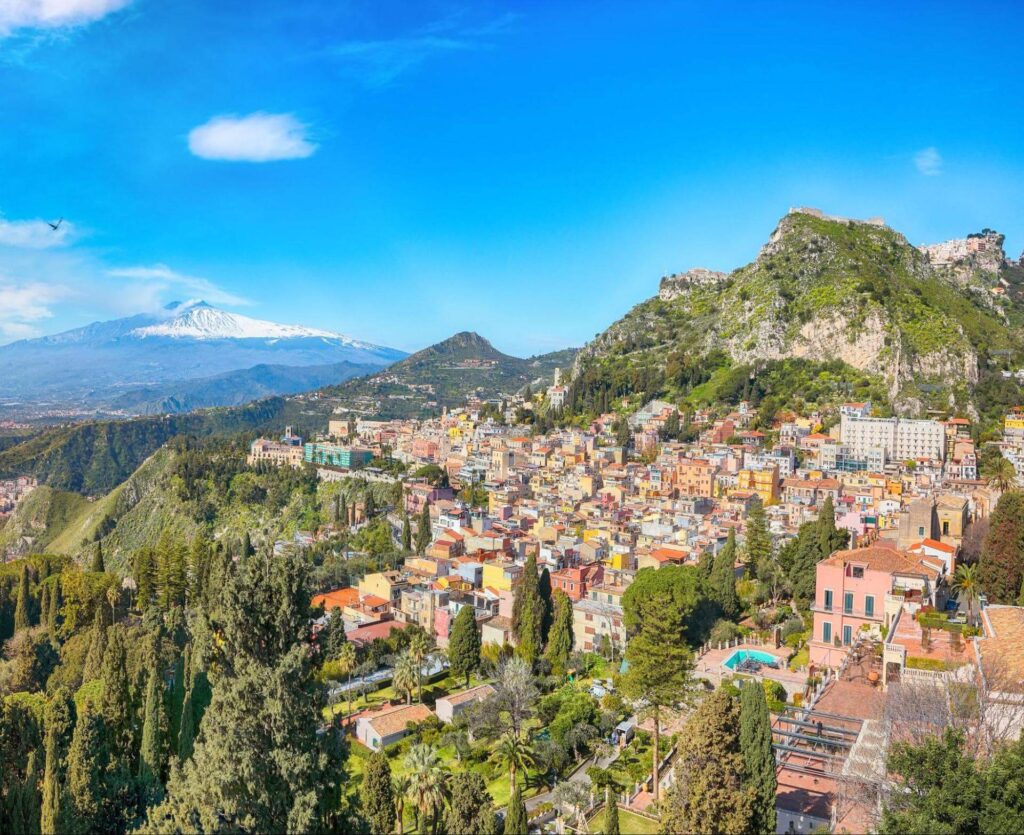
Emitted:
<point x="763" y="482"/>
<point x="501" y="575"/>
<point x="384" y="584"/>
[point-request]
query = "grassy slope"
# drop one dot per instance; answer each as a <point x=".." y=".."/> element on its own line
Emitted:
<point x="43" y="514"/>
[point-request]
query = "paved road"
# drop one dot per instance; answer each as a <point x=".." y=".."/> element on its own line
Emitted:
<point x="578" y="776"/>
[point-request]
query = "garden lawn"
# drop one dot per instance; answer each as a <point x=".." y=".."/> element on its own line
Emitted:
<point x="629" y="823"/>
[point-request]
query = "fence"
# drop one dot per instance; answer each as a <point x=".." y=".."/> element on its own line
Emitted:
<point x="750" y="640"/>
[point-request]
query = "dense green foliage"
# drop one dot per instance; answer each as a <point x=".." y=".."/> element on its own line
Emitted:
<point x="945" y="790"/>
<point x="528" y="614"/>
<point x="758" y="757"/>
<point x="1001" y="570"/>
<point x="464" y="644"/>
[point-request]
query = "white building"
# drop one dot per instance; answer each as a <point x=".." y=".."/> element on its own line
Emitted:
<point x="898" y="439"/>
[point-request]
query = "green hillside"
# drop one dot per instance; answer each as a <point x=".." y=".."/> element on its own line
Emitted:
<point x="445" y="374"/>
<point x="846" y="308"/>
<point x="38" y="518"/>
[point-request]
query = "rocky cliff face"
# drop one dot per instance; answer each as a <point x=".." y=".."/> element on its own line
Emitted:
<point x="974" y="260"/>
<point x="825" y="288"/>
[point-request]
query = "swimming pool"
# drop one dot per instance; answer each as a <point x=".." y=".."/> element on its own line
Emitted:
<point x="741" y="655"/>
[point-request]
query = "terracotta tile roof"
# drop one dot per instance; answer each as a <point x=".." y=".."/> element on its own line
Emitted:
<point x="394" y="719"/>
<point x="1002" y="650"/>
<point x="881" y="556"/>
<point x="339" y="597"/>
<point x="365" y="634"/>
<point x="480" y="692"/>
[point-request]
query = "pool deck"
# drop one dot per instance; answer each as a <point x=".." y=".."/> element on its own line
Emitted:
<point x="710" y="666"/>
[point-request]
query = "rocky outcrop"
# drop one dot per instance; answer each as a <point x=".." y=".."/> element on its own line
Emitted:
<point x="673" y="286"/>
<point x="977" y="258"/>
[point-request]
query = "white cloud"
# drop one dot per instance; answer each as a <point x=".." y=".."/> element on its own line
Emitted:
<point x="928" y="161"/>
<point x="34" y="234"/>
<point x="22" y="304"/>
<point x="258" y="137"/>
<point x="53" y="14"/>
<point x="380" y="62"/>
<point x="159" y="279"/>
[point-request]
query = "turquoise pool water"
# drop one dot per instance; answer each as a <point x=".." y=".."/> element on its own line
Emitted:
<point x="743" y="654"/>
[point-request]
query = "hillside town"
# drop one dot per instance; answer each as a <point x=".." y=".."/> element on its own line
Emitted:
<point x="887" y="614"/>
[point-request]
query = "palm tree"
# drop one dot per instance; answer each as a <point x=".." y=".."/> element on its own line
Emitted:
<point x="399" y="787"/>
<point x="515" y="754"/>
<point x="405" y="676"/>
<point x="419" y="649"/>
<point x="347" y="665"/>
<point x="1002" y="475"/>
<point x="965" y="582"/>
<point x="427" y="780"/>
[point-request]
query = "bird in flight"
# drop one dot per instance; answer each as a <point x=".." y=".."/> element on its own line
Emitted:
<point x="55" y="226"/>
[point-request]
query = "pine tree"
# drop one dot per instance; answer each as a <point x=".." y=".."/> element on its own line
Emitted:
<point x="153" y="753"/>
<point x="88" y="760"/>
<point x="708" y="795"/>
<point x="723" y="578"/>
<point x="759" y="542"/>
<point x="406" y="533"/>
<point x="515" y="819"/>
<point x="560" y="637"/>
<point x="377" y="795"/>
<point x="23" y="608"/>
<point x="97" y="558"/>
<point x="423" y="533"/>
<point x="97" y="645"/>
<point x="464" y="644"/>
<point x="60" y="723"/>
<point x="756" y="746"/>
<point x="528" y="613"/>
<point x="544" y="588"/>
<point x="611" y="813"/>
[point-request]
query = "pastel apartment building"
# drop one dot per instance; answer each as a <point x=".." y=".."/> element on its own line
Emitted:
<point x="576" y="582"/>
<point x="696" y="477"/>
<point x="865" y="587"/>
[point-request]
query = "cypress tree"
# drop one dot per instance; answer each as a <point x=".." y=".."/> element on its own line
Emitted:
<point x="116" y="701"/>
<point x="377" y="795"/>
<point x="97" y="645"/>
<point x="187" y="728"/>
<point x="528" y="613"/>
<point x="406" y="533"/>
<point x="515" y="818"/>
<point x="723" y="578"/>
<point x="1001" y="567"/>
<point x="176" y="699"/>
<point x="23" y="608"/>
<point x="559" y="646"/>
<point x="423" y="535"/>
<point x="60" y="723"/>
<point x="247" y="549"/>
<point x="830" y="538"/>
<point x="611" y="813"/>
<point x="97" y="558"/>
<point x="544" y="588"/>
<point x="56" y="604"/>
<point x="342" y="508"/>
<point x="369" y="505"/>
<point x="25" y="798"/>
<point x="152" y="754"/>
<point x="756" y="745"/>
<point x="88" y="760"/>
<point x="464" y="644"/>
<point x="44" y="603"/>
<point x="759" y="542"/>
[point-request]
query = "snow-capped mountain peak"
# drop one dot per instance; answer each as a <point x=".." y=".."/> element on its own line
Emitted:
<point x="198" y="320"/>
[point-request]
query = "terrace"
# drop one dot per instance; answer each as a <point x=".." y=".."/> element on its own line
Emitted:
<point x="926" y="641"/>
<point x="711" y="665"/>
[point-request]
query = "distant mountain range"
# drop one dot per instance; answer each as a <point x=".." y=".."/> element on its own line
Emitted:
<point x="133" y="365"/>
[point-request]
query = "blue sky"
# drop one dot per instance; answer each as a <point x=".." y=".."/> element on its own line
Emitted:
<point x="400" y="171"/>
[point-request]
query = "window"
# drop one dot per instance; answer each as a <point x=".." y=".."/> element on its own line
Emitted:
<point x="920" y="530"/>
<point x="847" y="635"/>
<point x="945" y="528"/>
<point x="858" y="572"/>
<point x="826" y="632"/>
<point x="828" y="600"/>
<point x="869" y="605"/>
<point x="848" y="603"/>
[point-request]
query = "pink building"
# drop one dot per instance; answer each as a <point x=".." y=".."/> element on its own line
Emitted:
<point x="864" y="587"/>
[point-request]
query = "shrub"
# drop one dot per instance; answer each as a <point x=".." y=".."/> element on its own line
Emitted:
<point x="723" y="631"/>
